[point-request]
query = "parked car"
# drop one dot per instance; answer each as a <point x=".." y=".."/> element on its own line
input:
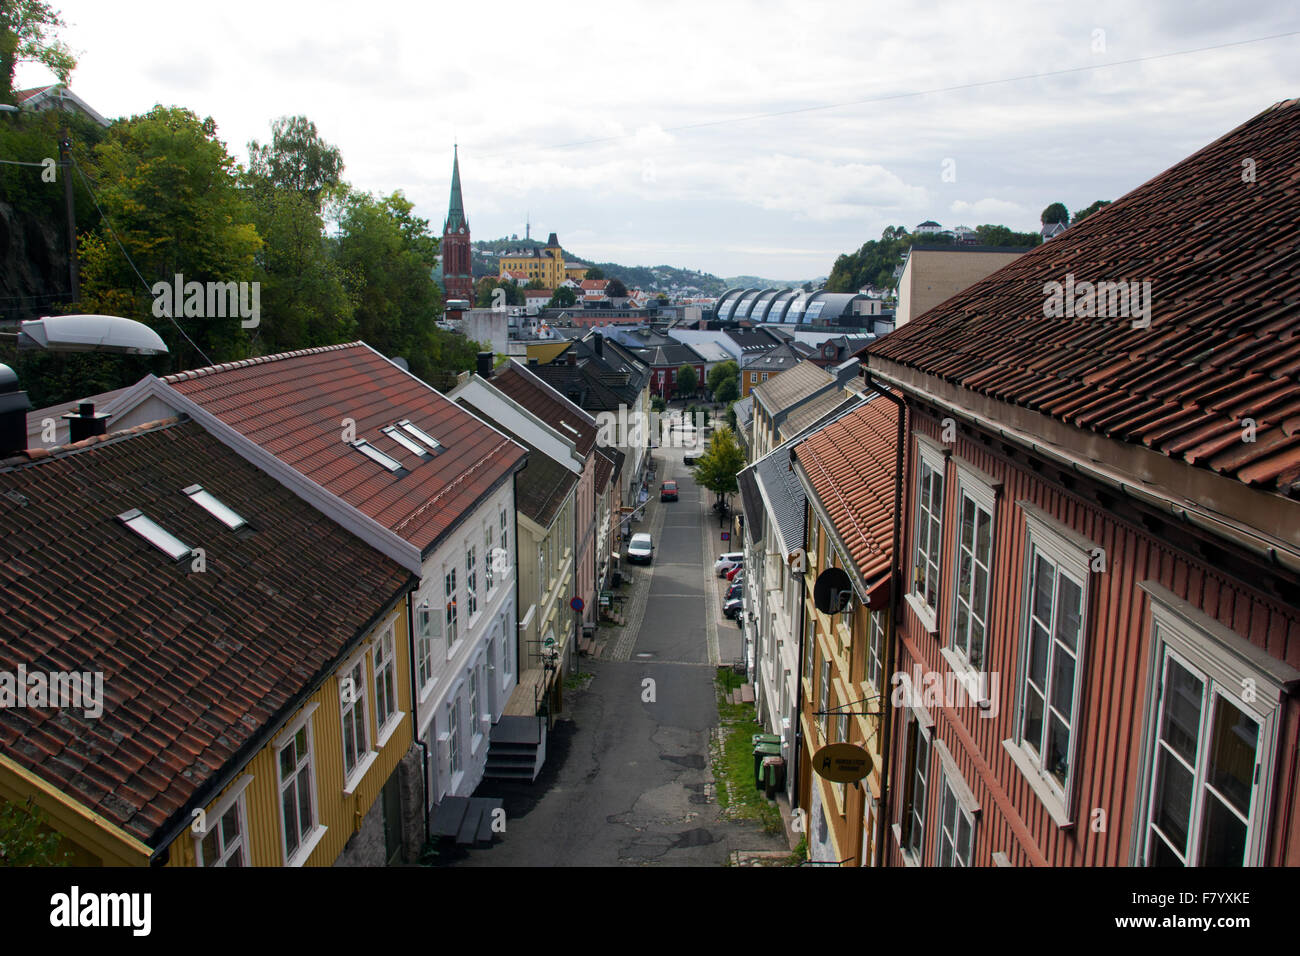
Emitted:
<point x="732" y="609"/>
<point x="641" y="549"/>
<point x="738" y="569"/>
<point x="668" y="491"/>
<point x="735" y="590"/>
<point x="725" y="562"/>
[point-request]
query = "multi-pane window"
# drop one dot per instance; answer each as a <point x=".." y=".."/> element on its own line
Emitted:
<point x="505" y="532"/>
<point x="1205" y="779"/>
<point x="297" y="800"/>
<point x="489" y="560"/>
<point x="352" y="701"/>
<point x="385" y="677"/>
<point x="810" y="644"/>
<point x="473" y="701"/>
<point x="453" y="733"/>
<point x="955" y="834"/>
<point x="224" y="844"/>
<point x="449" y="594"/>
<point x="471" y="581"/>
<point x="929" y="527"/>
<point x="876" y="649"/>
<point x="915" y="785"/>
<point x="974" y="562"/>
<point x="824" y="700"/>
<point x="424" y="641"/>
<point x="1053" y="645"/>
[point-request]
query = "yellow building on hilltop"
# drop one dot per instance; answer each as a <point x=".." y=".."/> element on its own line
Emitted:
<point x="544" y="265"/>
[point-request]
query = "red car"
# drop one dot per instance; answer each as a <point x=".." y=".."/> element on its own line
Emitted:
<point x="731" y="575"/>
<point x="668" y="491"/>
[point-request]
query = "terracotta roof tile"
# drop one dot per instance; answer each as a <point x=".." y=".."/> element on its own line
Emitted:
<point x="1223" y="345"/>
<point x="295" y="405"/>
<point x="850" y="465"/>
<point x="194" y="664"/>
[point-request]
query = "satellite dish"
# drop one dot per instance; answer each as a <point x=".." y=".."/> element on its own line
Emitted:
<point x="832" y="592"/>
<point x="90" y="333"/>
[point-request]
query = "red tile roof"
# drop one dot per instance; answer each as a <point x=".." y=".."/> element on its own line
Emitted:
<point x="295" y="405"/>
<point x="196" y="665"/>
<point x="850" y="466"/>
<point x="547" y="404"/>
<point x="1223" y="261"/>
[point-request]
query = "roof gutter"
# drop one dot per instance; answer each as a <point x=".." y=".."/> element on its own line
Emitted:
<point x="1275" y="552"/>
<point x="895" y="589"/>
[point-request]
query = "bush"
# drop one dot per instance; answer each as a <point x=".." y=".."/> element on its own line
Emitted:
<point x="657" y="404"/>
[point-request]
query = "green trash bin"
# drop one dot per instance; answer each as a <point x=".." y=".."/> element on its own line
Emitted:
<point x="761" y="751"/>
<point x="773" y="775"/>
<point x="757" y="739"/>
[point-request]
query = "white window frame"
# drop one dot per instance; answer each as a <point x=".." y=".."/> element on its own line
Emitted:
<point x="1230" y="667"/>
<point x="489" y="576"/>
<point x="1069" y="552"/>
<point x="877" y="634"/>
<point x="471" y="582"/>
<point x="933" y="457"/>
<point x="905" y="836"/>
<point x="308" y="841"/>
<point x="454" y="762"/>
<point x="233" y="797"/>
<point x="983" y="494"/>
<point x="954" y="794"/>
<point x="384" y="666"/>
<point x="362" y="737"/>
<point x="451" y="613"/>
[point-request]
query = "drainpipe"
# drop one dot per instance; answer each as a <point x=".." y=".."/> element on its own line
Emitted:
<point x="895" y="588"/>
<point x="415" y="709"/>
<point x="798" y="677"/>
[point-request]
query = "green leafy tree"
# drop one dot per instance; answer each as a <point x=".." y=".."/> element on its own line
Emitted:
<point x="687" y="381"/>
<point x="487" y="286"/>
<point x="387" y="255"/>
<point x="1056" y="212"/>
<point x="534" y="285"/>
<point x="304" y="294"/>
<point x="717" y="468"/>
<point x="297" y="158"/>
<point x="1087" y="211"/>
<point x="616" y="289"/>
<point x="27" y="35"/>
<point x="1002" y="236"/>
<point x="721" y="373"/>
<point x="595" y="272"/>
<point x="170" y="190"/>
<point x="564" y="298"/>
<point x="26" y="840"/>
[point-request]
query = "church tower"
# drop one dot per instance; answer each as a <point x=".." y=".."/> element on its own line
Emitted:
<point x="457" y="274"/>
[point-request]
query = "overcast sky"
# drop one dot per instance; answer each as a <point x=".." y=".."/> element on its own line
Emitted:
<point x="694" y="164"/>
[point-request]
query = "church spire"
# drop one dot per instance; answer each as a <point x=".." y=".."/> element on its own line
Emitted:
<point x="456" y="208"/>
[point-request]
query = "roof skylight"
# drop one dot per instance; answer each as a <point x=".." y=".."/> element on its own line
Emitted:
<point x="374" y="454"/>
<point x="206" y="501"/>
<point x="420" y="434"/>
<point x="409" y="444"/>
<point x="155" y="534"/>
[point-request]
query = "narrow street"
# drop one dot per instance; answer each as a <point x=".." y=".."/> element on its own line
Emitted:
<point x="627" y="780"/>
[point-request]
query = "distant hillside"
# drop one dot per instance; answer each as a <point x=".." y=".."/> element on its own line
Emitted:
<point x="758" y="282"/>
<point x="669" y="279"/>
<point x="874" y="263"/>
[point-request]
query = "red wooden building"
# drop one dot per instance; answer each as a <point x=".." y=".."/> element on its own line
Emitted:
<point x="1101" y="538"/>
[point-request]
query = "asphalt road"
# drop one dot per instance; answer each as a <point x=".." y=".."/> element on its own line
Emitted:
<point x="627" y="778"/>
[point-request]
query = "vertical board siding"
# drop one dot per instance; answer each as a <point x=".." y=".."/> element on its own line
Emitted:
<point x="1115" y="671"/>
<point x="340" y="813"/>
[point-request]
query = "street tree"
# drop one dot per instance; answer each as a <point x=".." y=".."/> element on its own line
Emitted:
<point x="717" y="468"/>
<point x="687" y="381"/>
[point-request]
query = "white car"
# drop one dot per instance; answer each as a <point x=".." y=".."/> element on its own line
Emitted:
<point x="728" y="561"/>
<point x="640" y="549"/>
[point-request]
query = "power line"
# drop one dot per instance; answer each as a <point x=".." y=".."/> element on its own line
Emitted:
<point x="886" y="97"/>
<point x="147" y="286"/>
<point x="14" y="162"/>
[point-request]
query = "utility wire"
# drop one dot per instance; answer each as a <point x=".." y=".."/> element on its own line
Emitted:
<point x="14" y="162"/>
<point x="148" y="288"/>
<point x="886" y="97"/>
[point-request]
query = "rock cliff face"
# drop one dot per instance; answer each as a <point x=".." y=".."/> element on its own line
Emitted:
<point x="33" y="264"/>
